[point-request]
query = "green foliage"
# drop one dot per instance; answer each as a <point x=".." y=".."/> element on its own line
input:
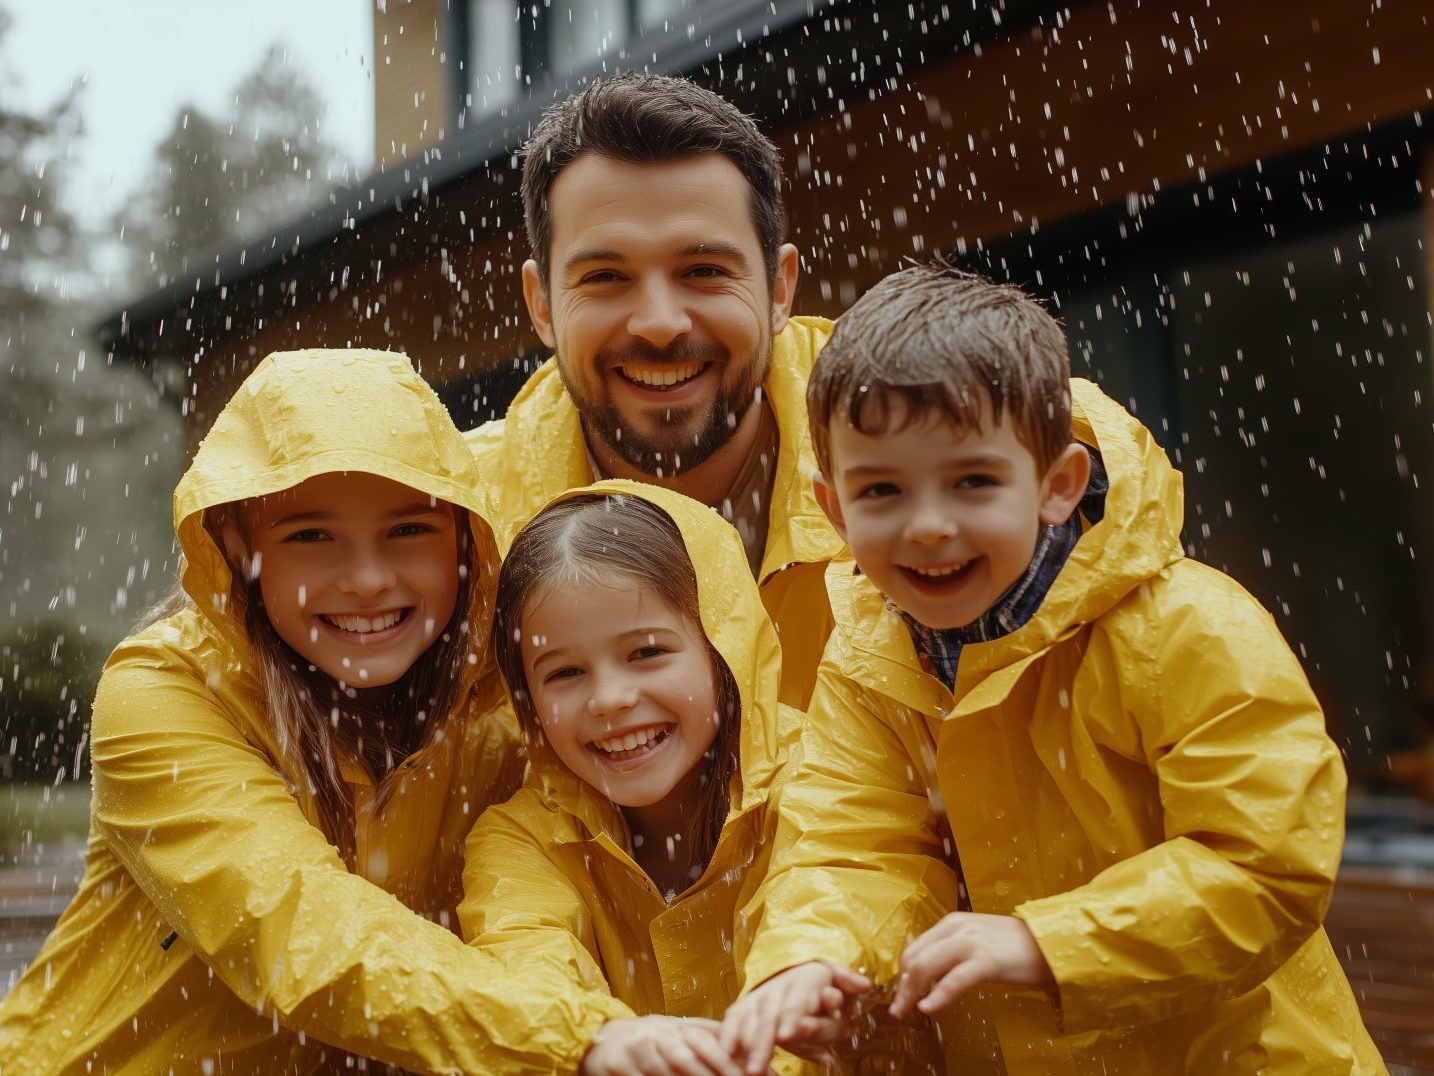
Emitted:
<point x="32" y="815"/>
<point x="48" y="674"/>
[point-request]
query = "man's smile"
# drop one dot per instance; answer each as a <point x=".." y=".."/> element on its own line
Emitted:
<point x="660" y="377"/>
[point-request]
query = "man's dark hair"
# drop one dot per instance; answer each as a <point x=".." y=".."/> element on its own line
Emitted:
<point x="649" y="119"/>
<point x="933" y="339"/>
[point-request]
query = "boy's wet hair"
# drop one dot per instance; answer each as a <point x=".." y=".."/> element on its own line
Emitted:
<point x="649" y="119"/>
<point x="933" y="339"/>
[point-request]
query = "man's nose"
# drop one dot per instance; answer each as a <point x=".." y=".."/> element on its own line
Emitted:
<point x="660" y="313"/>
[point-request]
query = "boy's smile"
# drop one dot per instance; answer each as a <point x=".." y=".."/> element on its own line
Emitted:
<point x="942" y="519"/>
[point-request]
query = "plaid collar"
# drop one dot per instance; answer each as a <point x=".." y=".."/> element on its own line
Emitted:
<point x="942" y="647"/>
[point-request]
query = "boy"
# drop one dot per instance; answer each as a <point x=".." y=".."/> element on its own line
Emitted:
<point x="1147" y="809"/>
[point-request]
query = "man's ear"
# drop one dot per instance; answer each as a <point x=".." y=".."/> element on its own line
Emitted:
<point x="1064" y="484"/>
<point x="825" y="493"/>
<point x="784" y="286"/>
<point x="540" y="311"/>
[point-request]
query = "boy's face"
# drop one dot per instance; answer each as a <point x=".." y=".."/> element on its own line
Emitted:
<point x="943" y="519"/>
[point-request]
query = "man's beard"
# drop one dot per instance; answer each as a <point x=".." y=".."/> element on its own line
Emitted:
<point x="672" y="447"/>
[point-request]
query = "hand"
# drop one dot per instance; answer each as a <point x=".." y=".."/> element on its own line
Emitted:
<point x="658" y="1046"/>
<point x="963" y="951"/>
<point x="799" y="1009"/>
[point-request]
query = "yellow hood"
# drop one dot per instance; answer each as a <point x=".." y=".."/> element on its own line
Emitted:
<point x="306" y="413"/>
<point x="1139" y="534"/>
<point x="737" y="624"/>
<point x="1137" y="538"/>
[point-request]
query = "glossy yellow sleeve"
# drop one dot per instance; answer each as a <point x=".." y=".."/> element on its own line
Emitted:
<point x="518" y="902"/>
<point x="213" y="837"/>
<point x="857" y="870"/>
<point x="1252" y="794"/>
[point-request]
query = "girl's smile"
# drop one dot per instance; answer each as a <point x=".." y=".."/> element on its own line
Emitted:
<point x="367" y="629"/>
<point x="632" y="749"/>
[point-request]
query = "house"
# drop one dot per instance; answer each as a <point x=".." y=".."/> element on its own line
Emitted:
<point x="1226" y="201"/>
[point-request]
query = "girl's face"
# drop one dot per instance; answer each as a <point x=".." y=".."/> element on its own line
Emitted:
<point x="624" y="687"/>
<point x="359" y="573"/>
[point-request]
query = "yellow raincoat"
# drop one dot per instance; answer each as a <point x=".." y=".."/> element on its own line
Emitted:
<point x="537" y="451"/>
<point x="1140" y="773"/>
<point x="550" y="873"/>
<point x="281" y="953"/>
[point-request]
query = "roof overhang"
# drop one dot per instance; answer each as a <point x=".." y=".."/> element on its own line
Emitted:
<point x="779" y="60"/>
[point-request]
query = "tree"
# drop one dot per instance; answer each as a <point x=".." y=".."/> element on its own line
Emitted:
<point x="219" y="181"/>
<point x="37" y="235"/>
<point x="86" y="459"/>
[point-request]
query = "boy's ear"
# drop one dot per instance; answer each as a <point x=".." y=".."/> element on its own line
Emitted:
<point x="825" y="493"/>
<point x="1064" y="484"/>
<point x="540" y="311"/>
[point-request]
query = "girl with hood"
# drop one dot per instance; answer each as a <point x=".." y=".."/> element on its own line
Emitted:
<point x="287" y="760"/>
<point x="645" y="673"/>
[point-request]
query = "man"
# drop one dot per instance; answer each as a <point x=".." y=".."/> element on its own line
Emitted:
<point x="659" y="278"/>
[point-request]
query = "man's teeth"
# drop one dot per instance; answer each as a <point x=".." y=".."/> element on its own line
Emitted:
<point x="661" y="378"/>
<point x="941" y="572"/>
<point x="629" y="741"/>
<point x="364" y="624"/>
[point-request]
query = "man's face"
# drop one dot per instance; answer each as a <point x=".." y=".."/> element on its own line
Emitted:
<point x="658" y="304"/>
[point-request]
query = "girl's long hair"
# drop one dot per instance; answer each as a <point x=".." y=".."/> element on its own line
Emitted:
<point x="320" y="723"/>
<point x="593" y="538"/>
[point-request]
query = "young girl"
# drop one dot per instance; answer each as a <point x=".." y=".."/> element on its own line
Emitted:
<point x="645" y="672"/>
<point x="286" y="765"/>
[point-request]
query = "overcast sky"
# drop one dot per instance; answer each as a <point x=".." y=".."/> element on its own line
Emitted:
<point x="137" y="60"/>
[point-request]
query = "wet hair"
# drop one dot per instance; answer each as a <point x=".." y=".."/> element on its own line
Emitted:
<point x="593" y="539"/>
<point x="319" y="722"/>
<point x="932" y="339"/>
<point x="649" y="119"/>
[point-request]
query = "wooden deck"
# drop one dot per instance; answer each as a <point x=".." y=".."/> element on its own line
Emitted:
<point x="1381" y="923"/>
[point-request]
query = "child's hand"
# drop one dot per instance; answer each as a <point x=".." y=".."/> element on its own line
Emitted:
<point x="799" y="1009"/>
<point x="658" y="1046"/>
<point x="963" y="951"/>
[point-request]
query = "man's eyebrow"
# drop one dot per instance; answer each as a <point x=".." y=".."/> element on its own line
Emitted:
<point x="595" y="254"/>
<point x="717" y="249"/>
